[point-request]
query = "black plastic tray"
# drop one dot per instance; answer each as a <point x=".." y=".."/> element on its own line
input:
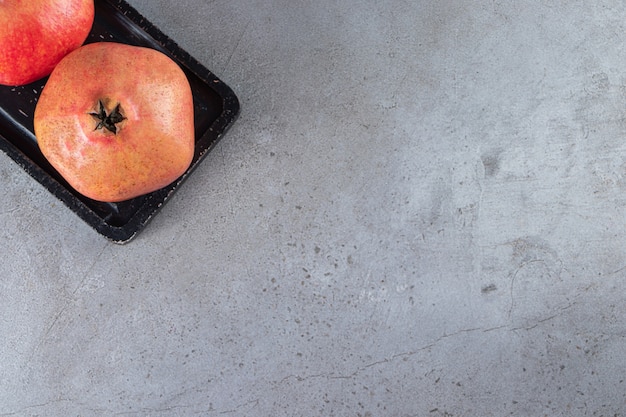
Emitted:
<point x="215" y="105"/>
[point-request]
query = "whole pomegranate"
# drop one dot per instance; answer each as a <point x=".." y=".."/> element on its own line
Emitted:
<point x="116" y="121"/>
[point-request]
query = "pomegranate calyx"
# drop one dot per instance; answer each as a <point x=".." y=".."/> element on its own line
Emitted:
<point x="108" y="121"/>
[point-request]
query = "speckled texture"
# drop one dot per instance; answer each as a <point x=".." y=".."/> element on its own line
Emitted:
<point x="419" y="212"/>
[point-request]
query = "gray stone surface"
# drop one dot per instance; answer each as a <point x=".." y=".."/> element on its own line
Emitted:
<point x="419" y="212"/>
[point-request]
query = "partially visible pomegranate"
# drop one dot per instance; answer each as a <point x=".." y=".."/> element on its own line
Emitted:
<point x="36" y="34"/>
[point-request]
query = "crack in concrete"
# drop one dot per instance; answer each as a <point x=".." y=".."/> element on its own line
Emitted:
<point x="390" y="359"/>
<point x="254" y="403"/>
<point x="546" y="319"/>
<point x="514" y="277"/>
<point x="142" y="412"/>
<point x="66" y="304"/>
<point x="236" y="47"/>
<point x="22" y="410"/>
<point x="357" y="371"/>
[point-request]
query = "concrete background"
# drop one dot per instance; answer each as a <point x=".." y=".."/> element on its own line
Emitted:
<point x="419" y="212"/>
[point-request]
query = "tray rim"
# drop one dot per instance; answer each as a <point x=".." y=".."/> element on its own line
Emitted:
<point x="153" y="201"/>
